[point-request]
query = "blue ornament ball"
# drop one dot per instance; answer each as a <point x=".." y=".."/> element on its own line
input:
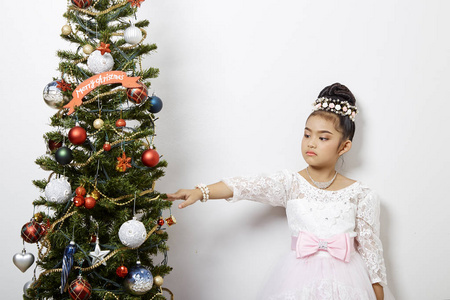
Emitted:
<point x="156" y="104"/>
<point x="139" y="280"/>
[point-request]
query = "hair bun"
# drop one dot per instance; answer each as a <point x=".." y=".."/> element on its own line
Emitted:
<point x="338" y="91"/>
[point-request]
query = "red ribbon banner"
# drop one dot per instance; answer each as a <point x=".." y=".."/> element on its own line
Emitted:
<point x="93" y="82"/>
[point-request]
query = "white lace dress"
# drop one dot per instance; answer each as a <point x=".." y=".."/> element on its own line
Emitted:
<point x="353" y="210"/>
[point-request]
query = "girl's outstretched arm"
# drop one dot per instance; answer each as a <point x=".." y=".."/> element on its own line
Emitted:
<point x="217" y="190"/>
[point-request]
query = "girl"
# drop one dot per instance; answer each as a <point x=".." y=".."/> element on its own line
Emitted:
<point x="334" y="221"/>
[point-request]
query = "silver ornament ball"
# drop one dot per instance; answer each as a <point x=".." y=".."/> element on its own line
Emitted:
<point x="26" y="287"/>
<point x="99" y="63"/>
<point x="53" y="96"/>
<point x="132" y="233"/>
<point x="132" y="35"/>
<point x="58" y="190"/>
<point x="98" y="123"/>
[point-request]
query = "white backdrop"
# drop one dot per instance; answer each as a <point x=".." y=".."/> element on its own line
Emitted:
<point x="237" y="79"/>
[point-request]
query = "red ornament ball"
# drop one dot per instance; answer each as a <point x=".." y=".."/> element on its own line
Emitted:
<point x="80" y="289"/>
<point x="107" y="146"/>
<point x="80" y="191"/>
<point x="161" y="222"/>
<point x="138" y="94"/>
<point x="31" y="232"/>
<point x="78" y="201"/>
<point x="121" y="123"/>
<point x="150" y="157"/>
<point x="89" y="202"/>
<point x="122" y="271"/>
<point x="82" y="3"/>
<point x="52" y="145"/>
<point x="77" y="135"/>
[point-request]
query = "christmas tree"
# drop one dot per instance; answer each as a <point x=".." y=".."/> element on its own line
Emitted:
<point x="99" y="227"/>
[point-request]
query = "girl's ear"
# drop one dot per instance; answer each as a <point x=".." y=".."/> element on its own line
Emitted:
<point x="345" y="147"/>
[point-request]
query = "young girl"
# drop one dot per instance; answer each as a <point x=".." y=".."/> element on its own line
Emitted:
<point x="334" y="221"/>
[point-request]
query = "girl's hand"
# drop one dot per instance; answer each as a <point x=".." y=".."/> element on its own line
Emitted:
<point x="189" y="197"/>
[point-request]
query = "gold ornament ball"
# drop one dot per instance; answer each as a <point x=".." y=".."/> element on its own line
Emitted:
<point x="38" y="217"/>
<point x="66" y="30"/>
<point x="158" y="280"/>
<point x="88" y="49"/>
<point x="95" y="194"/>
<point x="98" y="123"/>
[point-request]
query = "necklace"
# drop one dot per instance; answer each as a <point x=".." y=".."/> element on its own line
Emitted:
<point x="321" y="185"/>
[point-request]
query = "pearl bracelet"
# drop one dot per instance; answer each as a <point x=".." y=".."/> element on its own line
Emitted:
<point x="205" y="191"/>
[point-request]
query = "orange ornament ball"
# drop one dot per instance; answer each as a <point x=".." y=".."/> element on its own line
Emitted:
<point x="80" y="191"/>
<point x="150" y="157"/>
<point x="89" y="202"/>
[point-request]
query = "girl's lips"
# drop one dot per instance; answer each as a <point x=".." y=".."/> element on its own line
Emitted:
<point x="309" y="153"/>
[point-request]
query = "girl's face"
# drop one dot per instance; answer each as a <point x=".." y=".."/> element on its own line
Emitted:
<point x="321" y="143"/>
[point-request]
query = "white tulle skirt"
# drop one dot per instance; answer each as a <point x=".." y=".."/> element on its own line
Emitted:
<point x="320" y="277"/>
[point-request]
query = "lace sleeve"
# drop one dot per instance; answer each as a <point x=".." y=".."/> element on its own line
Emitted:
<point x="368" y="231"/>
<point x="271" y="189"/>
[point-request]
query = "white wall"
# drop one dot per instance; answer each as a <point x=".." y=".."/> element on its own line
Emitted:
<point x="237" y="79"/>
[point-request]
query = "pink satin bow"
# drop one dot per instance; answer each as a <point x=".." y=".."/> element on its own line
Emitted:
<point x="339" y="246"/>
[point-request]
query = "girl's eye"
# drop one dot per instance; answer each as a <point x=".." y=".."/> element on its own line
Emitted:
<point x="323" y="139"/>
<point x="306" y="135"/>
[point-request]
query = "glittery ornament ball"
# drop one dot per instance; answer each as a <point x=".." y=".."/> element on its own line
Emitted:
<point x="89" y="202"/>
<point x="58" y="190"/>
<point x="53" y="96"/>
<point x="98" y="63"/>
<point x="80" y="289"/>
<point x="139" y="280"/>
<point x="138" y="94"/>
<point x="98" y="123"/>
<point x="38" y="217"/>
<point x="80" y="191"/>
<point x="82" y="3"/>
<point x="122" y="271"/>
<point x="78" y="201"/>
<point x="95" y="194"/>
<point x="31" y="232"/>
<point x="132" y="233"/>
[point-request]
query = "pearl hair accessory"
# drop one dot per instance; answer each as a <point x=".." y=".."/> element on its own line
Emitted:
<point x="336" y="106"/>
<point x="205" y="191"/>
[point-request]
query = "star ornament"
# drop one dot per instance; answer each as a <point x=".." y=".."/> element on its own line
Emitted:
<point x="123" y="162"/>
<point x="103" y="48"/>
<point x="135" y="3"/>
<point x="64" y="86"/>
<point x="98" y="255"/>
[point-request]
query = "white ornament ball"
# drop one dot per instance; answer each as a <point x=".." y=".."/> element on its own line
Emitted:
<point x="98" y="123"/>
<point x="99" y="63"/>
<point x="132" y="35"/>
<point x="58" y="190"/>
<point x="132" y="233"/>
<point x="88" y="49"/>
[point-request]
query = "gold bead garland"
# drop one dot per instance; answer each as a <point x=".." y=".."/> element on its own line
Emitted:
<point x="96" y="14"/>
